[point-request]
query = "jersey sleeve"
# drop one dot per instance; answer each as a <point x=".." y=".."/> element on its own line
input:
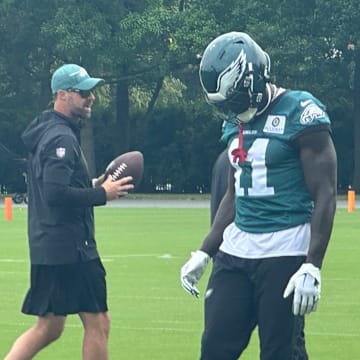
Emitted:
<point x="59" y="158"/>
<point x="309" y="114"/>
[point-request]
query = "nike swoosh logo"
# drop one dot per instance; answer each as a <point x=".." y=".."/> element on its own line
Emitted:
<point x="305" y="102"/>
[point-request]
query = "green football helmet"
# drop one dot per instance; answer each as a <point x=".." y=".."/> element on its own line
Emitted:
<point x="233" y="72"/>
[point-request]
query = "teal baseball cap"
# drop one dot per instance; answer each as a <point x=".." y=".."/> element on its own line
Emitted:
<point x="72" y="76"/>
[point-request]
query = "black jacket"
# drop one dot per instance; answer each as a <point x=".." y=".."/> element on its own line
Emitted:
<point x="61" y="198"/>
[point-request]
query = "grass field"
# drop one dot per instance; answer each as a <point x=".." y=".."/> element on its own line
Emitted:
<point x="152" y="317"/>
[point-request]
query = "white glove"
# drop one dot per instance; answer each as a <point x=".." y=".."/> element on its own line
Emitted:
<point x="306" y="285"/>
<point x="193" y="270"/>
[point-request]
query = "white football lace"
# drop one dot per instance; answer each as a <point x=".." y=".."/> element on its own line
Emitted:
<point x="118" y="171"/>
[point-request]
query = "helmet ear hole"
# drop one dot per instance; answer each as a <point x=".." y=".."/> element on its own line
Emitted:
<point x="268" y="67"/>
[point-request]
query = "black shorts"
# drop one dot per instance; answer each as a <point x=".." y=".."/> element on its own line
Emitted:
<point x="243" y="294"/>
<point x="67" y="289"/>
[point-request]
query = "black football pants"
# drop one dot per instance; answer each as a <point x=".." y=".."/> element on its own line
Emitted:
<point x="243" y="293"/>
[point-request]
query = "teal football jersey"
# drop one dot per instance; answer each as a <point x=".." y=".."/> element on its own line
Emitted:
<point x="271" y="194"/>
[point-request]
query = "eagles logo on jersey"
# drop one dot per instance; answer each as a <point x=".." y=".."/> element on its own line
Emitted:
<point x="310" y="113"/>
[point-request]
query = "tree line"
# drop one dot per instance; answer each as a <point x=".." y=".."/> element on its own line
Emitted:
<point x="148" y="51"/>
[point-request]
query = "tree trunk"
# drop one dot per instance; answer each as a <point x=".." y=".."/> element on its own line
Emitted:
<point x="154" y="97"/>
<point x="87" y="145"/>
<point x="123" y="129"/>
<point x="356" y="97"/>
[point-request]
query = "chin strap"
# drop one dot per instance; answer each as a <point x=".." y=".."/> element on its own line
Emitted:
<point x="239" y="154"/>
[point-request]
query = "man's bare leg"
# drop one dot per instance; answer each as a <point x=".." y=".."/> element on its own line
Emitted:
<point x="47" y="329"/>
<point x="96" y="335"/>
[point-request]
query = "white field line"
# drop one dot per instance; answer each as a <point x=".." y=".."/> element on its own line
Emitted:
<point x="107" y="257"/>
<point x="187" y="329"/>
<point x="120" y="256"/>
<point x="145" y="298"/>
<point x="192" y="330"/>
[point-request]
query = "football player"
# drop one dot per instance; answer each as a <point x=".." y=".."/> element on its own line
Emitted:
<point x="218" y="189"/>
<point x="271" y="231"/>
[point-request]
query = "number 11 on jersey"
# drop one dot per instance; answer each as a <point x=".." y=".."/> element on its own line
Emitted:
<point x="256" y="158"/>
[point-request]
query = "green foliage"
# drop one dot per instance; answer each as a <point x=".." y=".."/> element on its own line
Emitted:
<point x="148" y="51"/>
<point x="77" y="34"/>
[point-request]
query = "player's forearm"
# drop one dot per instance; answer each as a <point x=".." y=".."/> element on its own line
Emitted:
<point x="224" y="216"/>
<point x="321" y="228"/>
<point x="318" y="158"/>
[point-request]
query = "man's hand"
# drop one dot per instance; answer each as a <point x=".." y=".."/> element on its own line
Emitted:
<point x="118" y="188"/>
<point x="306" y="285"/>
<point x="193" y="270"/>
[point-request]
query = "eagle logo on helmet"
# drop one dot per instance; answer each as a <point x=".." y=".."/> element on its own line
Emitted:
<point x="229" y="78"/>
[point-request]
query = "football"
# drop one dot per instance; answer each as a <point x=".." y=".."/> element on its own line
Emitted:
<point x="127" y="164"/>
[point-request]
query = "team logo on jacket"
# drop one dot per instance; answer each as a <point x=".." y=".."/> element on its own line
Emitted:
<point x="60" y="152"/>
<point x="275" y="124"/>
<point x="311" y="113"/>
